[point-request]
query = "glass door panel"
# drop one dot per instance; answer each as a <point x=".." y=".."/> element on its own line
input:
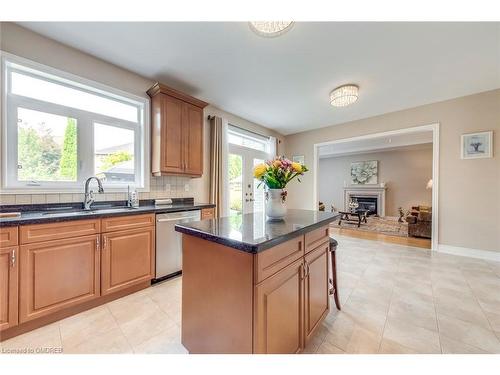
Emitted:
<point x="235" y="172"/>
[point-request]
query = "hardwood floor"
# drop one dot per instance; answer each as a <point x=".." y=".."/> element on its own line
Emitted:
<point x="408" y="241"/>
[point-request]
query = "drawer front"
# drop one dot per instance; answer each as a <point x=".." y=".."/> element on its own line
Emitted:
<point x="8" y="236"/>
<point x="316" y="237"/>
<point x="207" y="213"/>
<point x="113" y="224"/>
<point x="56" y="231"/>
<point x="272" y="260"/>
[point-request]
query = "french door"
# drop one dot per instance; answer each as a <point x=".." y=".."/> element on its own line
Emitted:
<point x="244" y="194"/>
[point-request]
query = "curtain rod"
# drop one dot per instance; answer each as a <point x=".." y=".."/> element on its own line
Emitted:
<point x="241" y="128"/>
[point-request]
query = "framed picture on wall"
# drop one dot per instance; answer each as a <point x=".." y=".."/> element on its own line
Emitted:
<point x="298" y="159"/>
<point x="364" y="172"/>
<point x="477" y="145"/>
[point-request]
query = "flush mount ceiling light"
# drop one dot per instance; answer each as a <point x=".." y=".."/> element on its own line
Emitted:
<point x="344" y="95"/>
<point x="270" y="29"/>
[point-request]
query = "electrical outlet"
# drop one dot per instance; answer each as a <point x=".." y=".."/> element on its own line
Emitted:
<point x="186" y="187"/>
<point x="167" y="187"/>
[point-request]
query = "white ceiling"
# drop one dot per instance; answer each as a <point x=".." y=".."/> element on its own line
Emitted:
<point x="284" y="82"/>
<point x="413" y="140"/>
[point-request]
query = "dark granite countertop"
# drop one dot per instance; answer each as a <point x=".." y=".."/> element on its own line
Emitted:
<point x="253" y="233"/>
<point x="49" y="213"/>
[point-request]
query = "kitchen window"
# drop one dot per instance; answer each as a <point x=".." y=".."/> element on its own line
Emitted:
<point x="59" y="129"/>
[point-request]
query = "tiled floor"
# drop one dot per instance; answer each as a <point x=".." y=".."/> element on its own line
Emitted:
<point x="395" y="299"/>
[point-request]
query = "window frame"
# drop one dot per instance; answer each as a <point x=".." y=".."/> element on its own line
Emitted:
<point x="244" y="133"/>
<point x="85" y="138"/>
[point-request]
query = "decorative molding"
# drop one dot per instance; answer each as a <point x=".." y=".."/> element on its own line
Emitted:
<point x="367" y="192"/>
<point x="468" y="252"/>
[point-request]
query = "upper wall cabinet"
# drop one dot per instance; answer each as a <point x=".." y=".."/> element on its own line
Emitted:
<point x="177" y="132"/>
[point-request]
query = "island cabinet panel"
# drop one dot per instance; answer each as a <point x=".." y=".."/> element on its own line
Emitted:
<point x="316" y="297"/>
<point x="9" y="266"/>
<point x="55" y="275"/>
<point x="217" y="298"/>
<point x="8" y="236"/>
<point x="272" y="260"/>
<point x="54" y="231"/>
<point x="316" y="237"/>
<point x="279" y="312"/>
<point x="127" y="258"/>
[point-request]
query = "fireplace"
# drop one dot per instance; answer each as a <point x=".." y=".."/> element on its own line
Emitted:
<point x="370" y="197"/>
<point x="367" y="203"/>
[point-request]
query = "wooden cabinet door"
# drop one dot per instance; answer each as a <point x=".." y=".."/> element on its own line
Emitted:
<point x="316" y="299"/>
<point x="193" y="139"/>
<point x="279" y="310"/>
<point x="9" y="267"/>
<point x="127" y="258"/>
<point x="58" y="274"/>
<point x="172" y="150"/>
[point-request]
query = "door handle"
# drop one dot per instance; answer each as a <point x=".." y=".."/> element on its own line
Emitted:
<point x="13" y="258"/>
<point x="177" y="219"/>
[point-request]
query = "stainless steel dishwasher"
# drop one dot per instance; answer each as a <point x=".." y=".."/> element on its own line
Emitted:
<point x="169" y="242"/>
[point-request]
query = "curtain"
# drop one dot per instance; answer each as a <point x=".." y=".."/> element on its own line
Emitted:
<point x="219" y="184"/>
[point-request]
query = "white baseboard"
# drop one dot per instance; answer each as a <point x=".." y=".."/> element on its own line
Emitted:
<point x="472" y="253"/>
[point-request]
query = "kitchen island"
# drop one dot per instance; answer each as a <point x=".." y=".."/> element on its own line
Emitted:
<point x="254" y="286"/>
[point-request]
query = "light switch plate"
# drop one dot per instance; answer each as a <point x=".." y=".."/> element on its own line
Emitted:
<point x="167" y="187"/>
<point x="186" y="187"/>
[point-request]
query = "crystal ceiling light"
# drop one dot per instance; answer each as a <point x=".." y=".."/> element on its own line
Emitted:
<point x="270" y="29"/>
<point x="344" y="95"/>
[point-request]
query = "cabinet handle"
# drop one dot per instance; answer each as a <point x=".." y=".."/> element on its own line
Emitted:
<point x="306" y="266"/>
<point x="98" y="243"/>
<point x="104" y="244"/>
<point x="13" y="258"/>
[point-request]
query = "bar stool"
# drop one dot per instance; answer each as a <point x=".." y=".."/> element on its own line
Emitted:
<point x="333" y="280"/>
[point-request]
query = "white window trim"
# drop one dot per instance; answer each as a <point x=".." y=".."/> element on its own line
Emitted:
<point x="253" y="136"/>
<point x="142" y="137"/>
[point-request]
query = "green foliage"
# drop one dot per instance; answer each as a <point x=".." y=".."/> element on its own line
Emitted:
<point x="235" y="203"/>
<point x="115" y="158"/>
<point x="69" y="151"/>
<point x="38" y="154"/>
<point x="234" y="166"/>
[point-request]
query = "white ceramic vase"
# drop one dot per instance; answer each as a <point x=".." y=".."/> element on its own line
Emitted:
<point x="275" y="204"/>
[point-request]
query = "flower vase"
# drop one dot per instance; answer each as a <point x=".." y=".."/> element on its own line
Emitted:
<point x="275" y="204"/>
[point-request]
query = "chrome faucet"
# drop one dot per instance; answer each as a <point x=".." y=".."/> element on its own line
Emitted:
<point x="89" y="195"/>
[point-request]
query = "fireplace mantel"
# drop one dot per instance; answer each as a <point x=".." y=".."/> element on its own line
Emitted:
<point x="371" y="191"/>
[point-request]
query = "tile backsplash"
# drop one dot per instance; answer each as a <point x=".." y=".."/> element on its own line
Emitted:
<point x="160" y="187"/>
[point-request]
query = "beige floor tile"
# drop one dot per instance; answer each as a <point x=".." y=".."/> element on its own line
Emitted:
<point x="84" y="326"/>
<point x="468" y="333"/>
<point x="391" y="347"/>
<point x="164" y="342"/>
<point x="340" y="331"/>
<point x="363" y="341"/>
<point x="36" y="341"/>
<point x="130" y="307"/>
<point x="111" y="342"/>
<point x="327" y="348"/>
<point x="450" y="346"/>
<point x="404" y="333"/>
<point x="146" y="326"/>
<point x="463" y="309"/>
<point x="494" y="319"/>
<point x="422" y="314"/>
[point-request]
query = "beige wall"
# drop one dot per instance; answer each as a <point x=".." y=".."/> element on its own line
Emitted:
<point x="25" y="43"/>
<point x="469" y="191"/>
<point x="405" y="171"/>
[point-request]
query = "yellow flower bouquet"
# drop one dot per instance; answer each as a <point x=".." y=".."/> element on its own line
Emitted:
<point x="277" y="173"/>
